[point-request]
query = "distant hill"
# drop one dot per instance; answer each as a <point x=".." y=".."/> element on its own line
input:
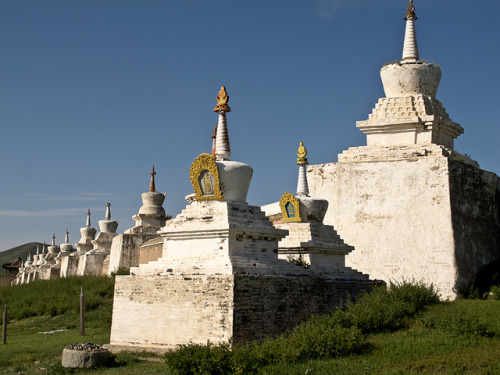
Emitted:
<point x="18" y="251"/>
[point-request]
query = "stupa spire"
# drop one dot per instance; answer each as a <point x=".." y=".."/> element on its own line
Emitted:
<point x="43" y="248"/>
<point x="108" y="212"/>
<point x="152" y="187"/>
<point x="302" y="187"/>
<point x="53" y="240"/>
<point x="410" y="49"/>
<point x="66" y="237"/>
<point x="88" y="218"/>
<point x="214" y="136"/>
<point x="222" y="149"/>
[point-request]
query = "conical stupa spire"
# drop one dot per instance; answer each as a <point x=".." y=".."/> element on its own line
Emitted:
<point x="66" y="238"/>
<point x="88" y="218"/>
<point x="214" y="136"/>
<point x="302" y="187"/>
<point x="222" y="149"/>
<point x="152" y="187"/>
<point x="410" y="49"/>
<point x="43" y="247"/>
<point x="37" y="250"/>
<point x="108" y="211"/>
<point x="53" y="240"/>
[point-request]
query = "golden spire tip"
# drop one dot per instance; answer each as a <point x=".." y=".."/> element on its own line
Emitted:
<point x="222" y="100"/>
<point x="301" y="153"/>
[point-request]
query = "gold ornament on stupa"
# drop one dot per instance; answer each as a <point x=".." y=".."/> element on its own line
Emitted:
<point x="222" y="100"/>
<point x="410" y="11"/>
<point x="301" y="153"/>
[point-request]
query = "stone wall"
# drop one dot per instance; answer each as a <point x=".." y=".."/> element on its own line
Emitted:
<point x="164" y="311"/>
<point x="125" y="251"/>
<point x="151" y="250"/>
<point x="269" y="305"/>
<point x="475" y="201"/>
<point x="412" y="213"/>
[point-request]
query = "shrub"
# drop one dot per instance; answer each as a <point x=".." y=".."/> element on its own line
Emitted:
<point x="494" y="292"/>
<point x="196" y="359"/>
<point x="337" y="334"/>
<point x="386" y="310"/>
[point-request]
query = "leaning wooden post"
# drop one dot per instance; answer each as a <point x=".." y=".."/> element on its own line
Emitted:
<point x="82" y="313"/>
<point x="4" y="327"/>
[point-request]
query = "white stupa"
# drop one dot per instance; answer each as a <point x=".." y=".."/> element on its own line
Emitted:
<point x="66" y="247"/>
<point x="93" y="261"/>
<point x="309" y="240"/>
<point x="151" y="215"/>
<point x="88" y="235"/>
<point x="410" y="114"/>
<point x="220" y="277"/>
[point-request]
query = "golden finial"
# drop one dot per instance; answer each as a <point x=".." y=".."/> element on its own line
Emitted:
<point x="301" y="153"/>
<point x="152" y="187"/>
<point x="410" y="11"/>
<point x="222" y="100"/>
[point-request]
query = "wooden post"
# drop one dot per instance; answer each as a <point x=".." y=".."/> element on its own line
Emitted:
<point x="82" y="312"/>
<point x="4" y="327"/>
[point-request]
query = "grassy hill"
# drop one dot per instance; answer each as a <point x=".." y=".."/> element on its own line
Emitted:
<point x="460" y="337"/>
<point x="21" y="251"/>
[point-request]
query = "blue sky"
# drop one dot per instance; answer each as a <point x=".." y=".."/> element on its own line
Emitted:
<point x="92" y="93"/>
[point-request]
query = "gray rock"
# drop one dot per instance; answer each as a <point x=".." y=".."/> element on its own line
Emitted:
<point x="84" y="355"/>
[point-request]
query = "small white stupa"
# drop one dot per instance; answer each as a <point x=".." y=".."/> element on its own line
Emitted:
<point x="151" y="215"/>
<point x="88" y="235"/>
<point x="52" y="252"/>
<point x="41" y="256"/>
<point x="126" y="248"/>
<point x="93" y="261"/>
<point x="309" y="240"/>
<point x="61" y="261"/>
<point x="66" y="247"/>
<point x="69" y="263"/>
<point x="36" y="256"/>
<point x="29" y="261"/>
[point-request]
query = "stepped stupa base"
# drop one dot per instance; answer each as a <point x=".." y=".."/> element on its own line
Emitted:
<point x="218" y="308"/>
<point x="423" y="213"/>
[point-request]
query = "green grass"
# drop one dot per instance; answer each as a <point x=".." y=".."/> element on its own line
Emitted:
<point x="419" y="349"/>
<point x="55" y="297"/>
<point x="461" y="337"/>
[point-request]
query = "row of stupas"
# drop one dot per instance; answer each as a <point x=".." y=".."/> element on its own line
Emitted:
<point x="105" y="253"/>
<point x="405" y="207"/>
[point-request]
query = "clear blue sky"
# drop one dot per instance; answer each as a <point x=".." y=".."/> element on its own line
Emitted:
<point x="92" y="93"/>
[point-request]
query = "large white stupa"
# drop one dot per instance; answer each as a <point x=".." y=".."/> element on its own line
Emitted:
<point x="219" y="277"/>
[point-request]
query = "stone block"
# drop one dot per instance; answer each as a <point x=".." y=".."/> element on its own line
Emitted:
<point x="84" y="359"/>
<point x="412" y="213"/>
